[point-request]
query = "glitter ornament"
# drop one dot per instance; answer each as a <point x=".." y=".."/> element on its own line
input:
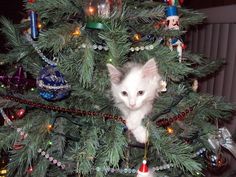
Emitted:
<point x="51" y="84"/>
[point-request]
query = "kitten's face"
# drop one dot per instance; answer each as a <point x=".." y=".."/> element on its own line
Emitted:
<point x="136" y="87"/>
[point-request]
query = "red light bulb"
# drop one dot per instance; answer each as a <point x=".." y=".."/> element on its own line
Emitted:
<point x="20" y="113"/>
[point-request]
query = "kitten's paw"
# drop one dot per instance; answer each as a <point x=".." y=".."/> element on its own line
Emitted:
<point x="140" y="134"/>
<point x="132" y="124"/>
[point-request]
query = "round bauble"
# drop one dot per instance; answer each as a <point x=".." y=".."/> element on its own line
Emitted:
<point x="51" y="84"/>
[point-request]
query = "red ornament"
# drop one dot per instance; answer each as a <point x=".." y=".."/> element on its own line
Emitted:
<point x="31" y="1"/>
<point x="143" y="168"/>
<point x="30" y="170"/>
<point x="18" y="146"/>
<point x="20" y="113"/>
<point x="181" y="2"/>
<point x="144" y="171"/>
<point x="184" y="46"/>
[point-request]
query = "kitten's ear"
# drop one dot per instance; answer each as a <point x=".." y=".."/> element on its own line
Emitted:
<point x="150" y="68"/>
<point x="115" y="74"/>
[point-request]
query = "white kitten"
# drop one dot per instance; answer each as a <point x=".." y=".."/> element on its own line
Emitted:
<point x="134" y="88"/>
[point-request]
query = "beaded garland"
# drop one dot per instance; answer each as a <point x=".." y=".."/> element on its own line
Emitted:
<point x="51" y="159"/>
<point x="48" y="61"/>
<point x="179" y="117"/>
<point x="132" y="49"/>
<point x="65" y="110"/>
<point x="98" y="169"/>
<point x="23" y="135"/>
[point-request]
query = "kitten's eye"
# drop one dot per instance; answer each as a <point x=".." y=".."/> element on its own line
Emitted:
<point x="140" y="92"/>
<point x="124" y="93"/>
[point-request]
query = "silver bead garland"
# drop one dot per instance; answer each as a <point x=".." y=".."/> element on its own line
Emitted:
<point x="100" y="47"/>
<point x="48" y="61"/>
<point x="94" y="46"/>
<point x="5" y="117"/>
<point x="51" y="159"/>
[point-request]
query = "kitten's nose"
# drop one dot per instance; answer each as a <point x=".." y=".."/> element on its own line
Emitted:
<point x="132" y="105"/>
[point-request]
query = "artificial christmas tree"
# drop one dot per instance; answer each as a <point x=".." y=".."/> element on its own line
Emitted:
<point x="71" y="125"/>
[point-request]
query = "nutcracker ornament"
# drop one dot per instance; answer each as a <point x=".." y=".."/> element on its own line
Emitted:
<point x="178" y="44"/>
<point x="172" y="18"/>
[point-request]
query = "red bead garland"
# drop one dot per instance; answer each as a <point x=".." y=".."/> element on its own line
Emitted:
<point x="65" y="110"/>
<point x="179" y="117"/>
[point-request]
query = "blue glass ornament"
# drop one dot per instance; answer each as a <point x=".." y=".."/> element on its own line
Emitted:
<point x="34" y="24"/>
<point x="51" y="84"/>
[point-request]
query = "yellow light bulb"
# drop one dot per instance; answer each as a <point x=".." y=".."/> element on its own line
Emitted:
<point x="170" y="130"/>
<point x="91" y="10"/>
<point x="77" y="32"/>
<point x="3" y="172"/>
<point x="49" y="127"/>
<point x="137" y="37"/>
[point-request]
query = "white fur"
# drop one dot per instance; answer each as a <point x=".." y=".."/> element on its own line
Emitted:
<point x="148" y="174"/>
<point x="134" y="106"/>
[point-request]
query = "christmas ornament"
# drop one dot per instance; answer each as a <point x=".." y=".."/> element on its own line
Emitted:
<point x="222" y="138"/>
<point x="30" y="170"/>
<point x="103" y="8"/>
<point x="195" y="85"/>
<point x="20" y="113"/>
<point x="19" y="81"/>
<point x="174" y="2"/>
<point x="33" y="22"/>
<point x="144" y="171"/>
<point x="217" y="163"/>
<point x="178" y="44"/>
<point x="51" y="84"/>
<point x="172" y="18"/>
<point x="23" y="135"/>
